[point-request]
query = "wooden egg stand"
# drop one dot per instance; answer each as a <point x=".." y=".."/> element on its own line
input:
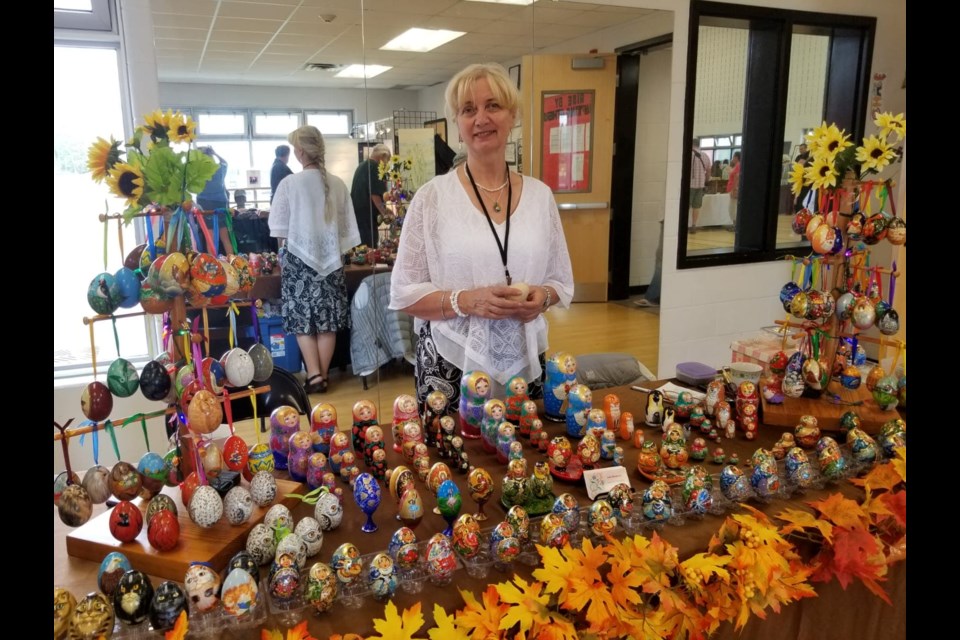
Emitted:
<point x="861" y="400"/>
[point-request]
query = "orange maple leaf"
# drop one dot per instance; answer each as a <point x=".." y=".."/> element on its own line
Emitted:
<point x="882" y="477"/>
<point x="854" y="554"/>
<point x="900" y="462"/>
<point x="896" y="502"/>
<point x="842" y="511"/>
<point x="274" y="634"/>
<point x="300" y="632"/>
<point x="624" y="583"/>
<point x="179" y="631"/>
<point x="657" y="564"/>
<point x="799" y="520"/>
<point x="482" y="619"/>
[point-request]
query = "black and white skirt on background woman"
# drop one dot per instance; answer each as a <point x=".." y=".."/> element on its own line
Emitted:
<point x="434" y="373"/>
<point x="312" y="303"/>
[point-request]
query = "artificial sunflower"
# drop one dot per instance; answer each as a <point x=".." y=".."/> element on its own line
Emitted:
<point x="126" y="181"/>
<point x="796" y="178"/>
<point x="889" y="123"/>
<point x="408" y="164"/>
<point x="158" y="124"/>
<point x="815" y="136"/>
<point x="821" y="174"/>
<point x="833" y="142"/>
<point x="182" y="128"/>
<point x="101" y="157"/>
<point x="875" y="154"/>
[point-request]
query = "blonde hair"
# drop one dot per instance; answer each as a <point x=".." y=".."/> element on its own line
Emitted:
<point x="310" y="142"/>
<point x="496" y="76"/>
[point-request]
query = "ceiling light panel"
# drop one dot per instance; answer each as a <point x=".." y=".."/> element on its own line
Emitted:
<point x="421" y="40"/>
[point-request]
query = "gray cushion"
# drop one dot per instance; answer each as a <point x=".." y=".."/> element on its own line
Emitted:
<point x="602" y="370"/>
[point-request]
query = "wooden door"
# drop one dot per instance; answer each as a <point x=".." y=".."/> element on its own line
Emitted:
<point x="568" y="143"/>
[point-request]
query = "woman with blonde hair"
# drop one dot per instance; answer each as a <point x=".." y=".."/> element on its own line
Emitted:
<point x="313" y="218"/>
<point x="482" y="254"/>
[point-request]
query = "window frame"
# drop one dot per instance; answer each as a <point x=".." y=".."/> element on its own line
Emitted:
<point x="101" y="17"/>
<point x="765" y="105"/>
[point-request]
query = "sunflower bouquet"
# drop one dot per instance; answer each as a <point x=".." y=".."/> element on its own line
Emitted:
<point x="157" y="166"/>
<point x="396" y="173"/>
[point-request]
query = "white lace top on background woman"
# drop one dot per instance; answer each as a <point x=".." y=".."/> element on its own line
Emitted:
<point x="446" y="244"/>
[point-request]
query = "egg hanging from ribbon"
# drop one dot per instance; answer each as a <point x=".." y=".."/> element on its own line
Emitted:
<point x="800" y="221"/>
<point x="103" y="294"/>
<point x="863" y="314"/>
<point x="129" y="285"/>
<point x="897" y="231"/>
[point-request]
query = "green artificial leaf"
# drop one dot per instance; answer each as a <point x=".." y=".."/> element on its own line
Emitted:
<point x="200" y="168"/>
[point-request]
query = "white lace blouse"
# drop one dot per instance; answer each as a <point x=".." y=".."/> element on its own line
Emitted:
<point x="446" y="244"/>
<point x="298" y="214"/>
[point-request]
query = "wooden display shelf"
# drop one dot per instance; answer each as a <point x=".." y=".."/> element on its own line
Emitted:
<point x="215" y="545"/>
<point x="828" y="413"/>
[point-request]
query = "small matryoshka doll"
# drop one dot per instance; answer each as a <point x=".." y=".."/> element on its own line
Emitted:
<point x="653" y="414"/>
<point x="608" y="444"/>
<point x="514" y="489"/>
<point x="683" y="405"/>
<point x="373" y="440"/>
<point x="673" y="451"/>
<point x="698" y="450"/>
<point x="716" y="392"/>
<point x="656" y="503"/>
<point x="339" y="444"/>
<point x="697" y="416"/>
<point x="611" y="410"/>
<point x="323" y="420"/>
<point x="516" y="450"/>
<point x="434" y="409"/>
<point x="494" y="412"/>
<point x="316" y="467"/>
<point x="625" y="427"/>
<point x="348" y="466"/>
<point x="404" y="411"/>
<point x="588" y="450"/>
<point x="597" y="422"/>
<point x="447" y="426"/>
<point x="579" y="403"/>
<point x="283" y="422"/>
<point x="559" y="451"/>
<point x="648" y="460"/>
<point x="541" y="482"/>
<point x="747" y="394"/>
<point x="638" y="436"/>
<point x="506" y="435"/>
<point x="364" y="415"/>
<point x="528" y="413"/>
<point x="475" y="390"/>
<point x="379" y="466"/>
<point x="516" y="395"/>
<point x="412" y="436"/>
<point x="561" y="376"/>
<point x="301" y="448"/>
<point x="536" y="431"/>
<point x="618" y="456"/>
<point x="785" y="443"/>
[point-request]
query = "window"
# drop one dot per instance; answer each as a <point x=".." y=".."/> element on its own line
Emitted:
<point x="757" y="78"/>
<point x="331" y="123"/>
<point x="89" y="15"/>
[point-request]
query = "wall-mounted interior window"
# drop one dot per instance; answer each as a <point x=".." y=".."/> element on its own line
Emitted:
<point x="771" y="75"/>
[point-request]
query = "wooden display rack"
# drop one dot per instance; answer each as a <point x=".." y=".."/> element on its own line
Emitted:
<point x="215" y="545"/>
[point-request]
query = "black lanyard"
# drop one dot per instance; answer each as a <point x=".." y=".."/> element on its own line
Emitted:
<point x="506" y="235"/>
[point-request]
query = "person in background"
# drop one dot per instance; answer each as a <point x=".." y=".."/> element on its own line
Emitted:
<point x="725" y="171"/>
<point x="733" y="188"/>
<point x="367" y="191"/>
<point x="279" y="170"/>
<point x="313" y="218"/>
<point x="699" y="170"/>
<point x="651" y="297"/>
<point x="214" y="194"/>
<point x="468" y="235"/>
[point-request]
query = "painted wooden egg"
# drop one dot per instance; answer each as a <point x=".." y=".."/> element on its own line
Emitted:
<point x="398" y="474"/>
<point x="893" y="434"/>
<point x="245" y="277"/>
<point x="163" y="530"/>
<point x="765" y="479"/>
<point x="863" y="314"/>
<point x="168" y="601"/>
<point x="122" y="378"/>
<point x="321" y="589"/>
<point x="466" y="536"/>
<point x="800" y="221"/>
<point x="97" y="483"/>
<point x="132" y="261"/>
<point x="63" y="606"/>
<point x="347" y="564"/>
<point x="855" y="226"/>
<point x="206" y="507"/>
<point x="154" y="381"/>
<point x="504" y="544"/>
<point x="153" y="471"/>
<point x="411" y="508"/>
<point x="601" y="518"/>
<point x="897" y="231"/>
<point x="567" y="508"/>
<point x="886" y="393"/>
<point x="284" y="580"/>
<point x="75" y="506"/>
<point x="125" y="481"/>
<point x="787" y="292"/>
<point x="233" y="279"/>
<point x="214" y="377"/>
<point x="520" y="521"/>
<point x="793" y="385"/>
<point x="103" y="294"/>
<point x="830" y="459"/>
<point x="844" y="306"/>
<point x="238" y="505"/>
<point x="204" y="414"/>
<point x="262" y="362"/>
<point x="823" y="239"/>
<point x="239" y="593"/>
<point x="850" y="377"/>
<point x="310" y="533"/>
<point x="238" y="367"/>
<point x="171" y="274"/>
<point x="292" y="545"/>
<point x="733" y="484"/>
<point x="449" y="499"/>
<point x="158" y="503"/>
<point x="60" y="482"/>
<point x="260" y="544"/>
<point x="126" y="521"/>
<point x="210" y="457"/>
<point x="800" y="305"/>
<point x="328" y="511"/>
<point x="553" y="532"/>
<point x="131" y="600"/>
<point x="875" y="228"/>
<point x="260" y="458"/>
<point x="278" y="516"/>
<point x="153" y="300"/>
<point x="92" y="618"/>
<point x="438" y="474"/>
<point x="244" y="561"/>
<point x="816" y="221"/>
<point x="202" y="584"/>
<point x="112" y="568"/>
<point x="129" y="286"/>
<point x="797" y="465"/>
<point x="560" y="451"/>
<point x="863" y="447"/>
<point x="382" y="576"/>
<point x="697" y="488"/>
<point x="403" y="548"/>
<point x="171" y="460"/>
<point x="620" y="498"/>
<point x="657" y="503"/>
<point x="96" y="402"/>
<point x="207" y="276"/>
<point x="188" y="487"/>
<point x="263" y="488"/>
<point x="889" y="322"/>
<point x="234" y="453"/>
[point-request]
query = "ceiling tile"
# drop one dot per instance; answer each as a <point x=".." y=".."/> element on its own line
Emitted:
<point x="184" y="7"/>
<point x="248" y="24"/>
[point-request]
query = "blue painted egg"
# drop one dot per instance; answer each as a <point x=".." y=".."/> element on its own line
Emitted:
<point x="567" y="508"/>
<point x="346" y="563"/>
<point x="403" y="548"/>
<point x="366" y="493"/>
<point x="733" y="484"/>
<point x="112" y="568"/>
<point x="103" y="294"/>
<point x="129" y="286"/>
<point x="449" y="500"/>
<point x="382" y="576"/>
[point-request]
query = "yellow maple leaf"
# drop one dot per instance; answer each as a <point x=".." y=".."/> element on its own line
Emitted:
<point x="703" y="566"/>
<point x="628" y="549"/>
<point x="445" y="626"/>
<point x="900" y="462"/>
<point x="842" y="512"/>
<point x="657" y="563"/>
<point x="759" y="525"/>
<point x="799" y="520"/>
<point x="624" y="583"/>
<point x="555" y="570"/>
<point x="559" y="628"/>
<point x="481" y="620"/>
<point x="179" y="631"/>
<point x="396" y="626"/>
<point x="881" y="477"/>
<point x="529" y="604"/>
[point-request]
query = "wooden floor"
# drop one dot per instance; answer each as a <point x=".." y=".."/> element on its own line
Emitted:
<point x="710" y="240"/>
<point x="587" y="327"/>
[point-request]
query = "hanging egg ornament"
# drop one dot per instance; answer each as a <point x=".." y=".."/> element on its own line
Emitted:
<point x="778" y="363"/>
<point x="214" y="377"/>
<point x="800" y="221"/>
<point x="850" y="377"/>
<point x="154" y="381"/>
<point x="837" y="241"/>
<point x="235" y="453"/>
<point x="207" y="276"/>
<point x="844" y="306"/>
<point x="262" y="362"/>
<point x="885" y="393"/>
<point x="863" y="313"/>
<point x="800" y="305"/>
<point x="126" y="521"/>
<point x="816" y="221"/>
<point x="153" y="471"/>
<point x="125" y="481"/>
<point x="855" y="226"/>
<point x="238" y="367"/>
<point x="97" y="483"/>
<point x="823" y="239"/>
<point x="204" y="414"/>
<point x="260" y="458"/>
<point x="103" y="294"/>
<point x="129" y="286"/>
<point x="245" y="277"/>
<point x="132" y="261"/>
<point x="787" y="292"/>
<point x="889" y="322"/>
<point x="875" y="229"/>
<point x="75" y="506"/>
<point x="96" y="402"/>
<point x="122" y="378"/>
<point x="60" y="482"/>
<point x="897" y="231"/>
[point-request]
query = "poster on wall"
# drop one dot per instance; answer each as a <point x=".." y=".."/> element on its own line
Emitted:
<point x="566" y="163"/>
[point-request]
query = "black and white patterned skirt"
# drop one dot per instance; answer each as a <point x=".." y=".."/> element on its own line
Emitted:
<point x="312" y="303"/>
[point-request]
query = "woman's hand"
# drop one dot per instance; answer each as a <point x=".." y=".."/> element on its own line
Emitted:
<point x="492" y="303"/>
<point x="532" y="307"/>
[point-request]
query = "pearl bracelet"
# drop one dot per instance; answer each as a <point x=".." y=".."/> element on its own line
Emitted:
<point x="546" y="299"/>
<point x="455" y="303"/>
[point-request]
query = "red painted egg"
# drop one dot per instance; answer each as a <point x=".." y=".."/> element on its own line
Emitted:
<point x="164" y="531"/>
<point x="126" y="521"/>
<point x="96" y="402"/>
<point x="235" y="453"/>
<point x="187" y="487"/>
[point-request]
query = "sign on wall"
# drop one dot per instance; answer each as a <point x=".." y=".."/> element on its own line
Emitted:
<point x="567" y="142"/>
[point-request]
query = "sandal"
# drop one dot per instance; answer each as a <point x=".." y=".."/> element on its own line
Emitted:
<point x="315" y="387"/>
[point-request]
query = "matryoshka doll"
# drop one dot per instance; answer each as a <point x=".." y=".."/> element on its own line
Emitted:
<point x="516" y="395"/>
<point x="648" y="460"/>
<point x="323" y="419"/>
<point x="364" y="415"/>
<point x="608" y="443"/>
<point x="528" y="413"/>
<point x="301" y="448"/>
<point x="597" y="423"/>
<point x="697" y="487"/>
<point x="656" y="502"/>
<point x="339" y="443"/>
<point x="506" y="437"/>
<point x="716" y="392"/>
<point x="561" y="376"/>
<point x="404" y="411"/>
<point x="434" y="409"/>
<point x="514" y="489"/>
<point x="537" y="433"/>
<point x="284" y="421"/>
<point x="379" y="466"/>
<point x="588" y="450"/>
<point x="494" y="411"/>
<point x="475" y="390"/>
<point x="698" y="450"/>
<point x="696" y="416"/>
<point x="611" y="411"/>
<point x="601" y="518"/>
<point x="447" y="426"/>
<point x="541" y="482"/>
<point x="683" y="405"/>
<point x="653" y="415"/>
<point x="412" y="436"/>
<point x="673" y="451"/>
<point x="747" y="394"/>
<point x="316" y="467"/>
<point x="559" y="451"/>
<point x="579" y="401"/>
<point x="626" y="428"/>
<point x="373" y="440"/>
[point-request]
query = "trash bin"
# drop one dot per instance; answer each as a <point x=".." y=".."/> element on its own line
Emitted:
<point x="283" y="346"/>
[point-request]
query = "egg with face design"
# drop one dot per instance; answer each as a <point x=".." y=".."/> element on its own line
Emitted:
<point x="733" y="484"/>
<point x="239" y="593"/>
<point x="284" y="580"/>
<point x="567" y="508"/>
<point x="520" y="521"/>
<point x="260" y="544"/>
<point x="278" y="516"/>
<point x="328" y="511"/>
<point x="312" y="535"/>
<point x="553" y="533"/>
<point x="203" y="586"/>
<point x="131" y="600"/>
<point x="63" y="605"/>
<point x="403" y="548"/>
<point x="466" y="536"/>
<point x="168" y="601"/>
<point x="112" y="568"/>
<point x="293" y="545"/>
<point x="92" y="618"/>
<point x="321" y="588"/>
<point x="382" y="576"/>
<point x="263" y="488"/>
<point x="238" y="505"/>
<point x="244" y="560"/>
<point x="346" y="563"/>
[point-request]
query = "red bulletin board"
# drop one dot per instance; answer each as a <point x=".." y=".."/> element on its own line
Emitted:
<point x="566" y="151"/>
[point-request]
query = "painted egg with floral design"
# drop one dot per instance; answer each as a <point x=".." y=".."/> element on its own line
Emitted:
<point x="403" y="548"/>
<point x="321" y="589"/>
<point x="568" y="509"/>
<point x="553" y="532"/>
<point x="601" y="518"/>
<point x="520" y="521"/>
<point x="466" y="536"/>
<point x="504" y="544"/>
<point x="733" y="484"/>
<point x="441" y="561"/>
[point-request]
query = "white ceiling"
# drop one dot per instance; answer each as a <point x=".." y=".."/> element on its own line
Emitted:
<point x="270" y="43"/>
